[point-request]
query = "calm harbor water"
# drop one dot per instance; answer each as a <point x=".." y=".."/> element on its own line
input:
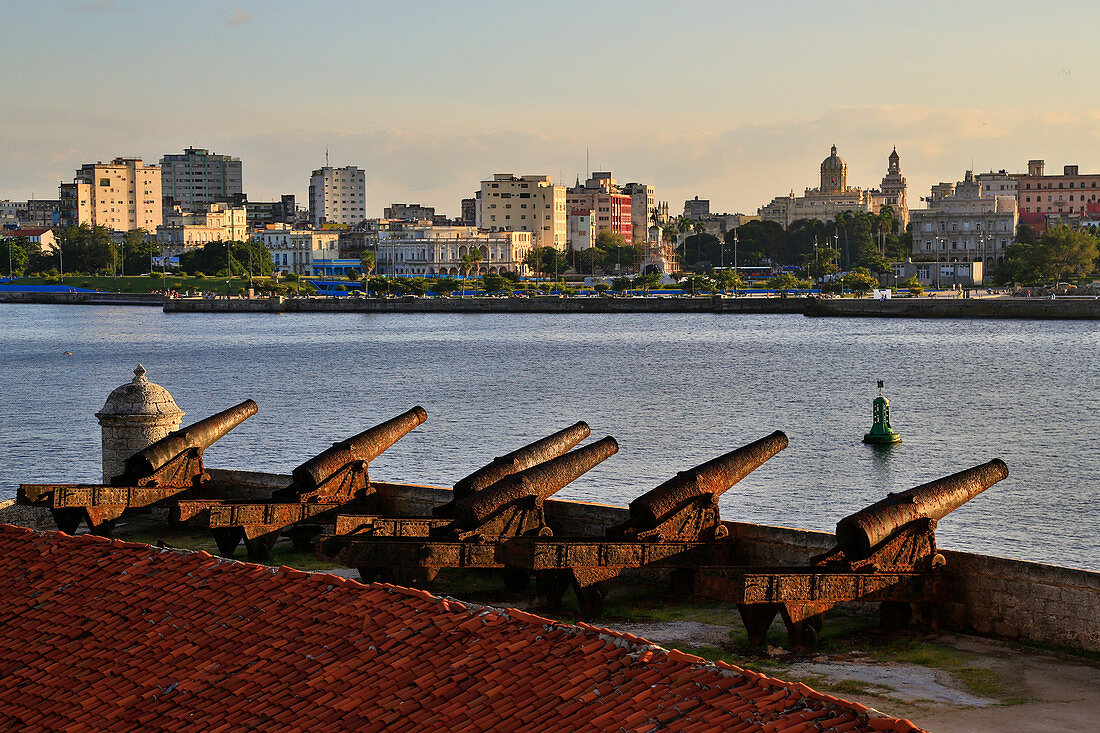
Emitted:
<point x="674" y="389"/>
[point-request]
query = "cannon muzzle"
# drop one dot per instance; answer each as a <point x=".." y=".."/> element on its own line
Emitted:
<point x="712" y="478"/>
<point x="529" y="455"/>
<point x="538" y="482"/>
<point x="201" y="434"/>
<point x="364" y="447"/>
<point x="859" y="533"/>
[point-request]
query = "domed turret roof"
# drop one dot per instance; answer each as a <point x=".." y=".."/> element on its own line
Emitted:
<point x="894" y="155"/>
<point x="140" y="397"/>
<point x="834" y="162"/>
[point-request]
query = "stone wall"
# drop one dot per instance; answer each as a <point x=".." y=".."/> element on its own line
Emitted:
<point x="1033" y="308"/>
<point x="26" y="516"/>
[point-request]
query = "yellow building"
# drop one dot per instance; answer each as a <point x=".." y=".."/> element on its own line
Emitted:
<point x="219" y="223"/>
<point x="121" y="195"/>
<point x="524" y="204"/>
<point x="834" y="195"/>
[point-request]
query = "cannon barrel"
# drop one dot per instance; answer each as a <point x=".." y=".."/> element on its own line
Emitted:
<point x="714" y="477"/>
<point x="523" y="458"/>
<point x="201" y="434"/>
<point x="857" y="534"/>
<point x="366" y="446"/>
<point x="540" y="481"/>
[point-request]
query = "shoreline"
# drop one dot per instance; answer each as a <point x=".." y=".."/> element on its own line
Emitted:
<point x="1067" y="308"/>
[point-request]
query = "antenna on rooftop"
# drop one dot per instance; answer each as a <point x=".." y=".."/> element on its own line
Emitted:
<point x="326" y="156"/>
<point x="587" y="165"/>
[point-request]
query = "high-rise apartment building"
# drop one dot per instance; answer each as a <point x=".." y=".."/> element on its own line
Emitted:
<point x="507" y="203"/>
<point x="198" y="178"/>
<point x="338" y="196"/>
<point x="121" y="195"/>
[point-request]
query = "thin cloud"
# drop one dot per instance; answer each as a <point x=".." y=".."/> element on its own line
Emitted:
<point x="237" y="16"/>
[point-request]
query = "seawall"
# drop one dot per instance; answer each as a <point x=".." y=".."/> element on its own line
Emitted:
<point x="1024" y="308"/>
<point x="1032" y="308"/>
<point x="546" y="304"/>
<point x="146" y="299"/>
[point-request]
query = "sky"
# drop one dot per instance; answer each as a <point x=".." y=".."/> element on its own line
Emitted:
<point x="733" y="101"/>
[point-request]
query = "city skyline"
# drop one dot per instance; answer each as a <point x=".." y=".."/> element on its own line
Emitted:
<point x="695" y="99"/>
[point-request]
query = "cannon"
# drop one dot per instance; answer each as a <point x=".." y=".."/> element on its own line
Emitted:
<point x="885" y="553"/>
<point x="375" y="524"/>
<point x="176" y="459"/>
<point x="529" y="455"/>
<point x="340" y="473"/>
<point x="899" y="531"/>
<point x="675" y="526"/>
<point x="170" y="468"/>
<point x="482" y="522"/>
<point x="334" y="480"/>
<point x="686" y="506"/>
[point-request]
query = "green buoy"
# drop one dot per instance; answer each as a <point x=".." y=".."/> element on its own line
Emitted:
<point x="881" y="432"/>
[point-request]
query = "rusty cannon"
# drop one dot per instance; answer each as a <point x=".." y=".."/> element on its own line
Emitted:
<point x="518" y="460"/>
<point x="885" y="553"/>
<point x="340" y="473"/>
<point x="336" y="479"/>
<point x="481" y="524"/>
<point x="675" y="527"/>
<point x="377" y="524"/>
<point x="169" y="469"/>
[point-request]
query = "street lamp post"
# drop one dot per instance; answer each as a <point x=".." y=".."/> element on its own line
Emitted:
<point x="735" y="270"/>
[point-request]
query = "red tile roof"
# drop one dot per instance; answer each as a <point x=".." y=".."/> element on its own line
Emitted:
<point x="107" y="635"/>
<point x="25" y="232"/>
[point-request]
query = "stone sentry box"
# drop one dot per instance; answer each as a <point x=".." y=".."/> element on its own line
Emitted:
<point x="136" y="415"/>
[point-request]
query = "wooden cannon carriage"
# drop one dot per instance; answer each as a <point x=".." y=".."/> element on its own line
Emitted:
<point x="675" y="527"/>
<point x="885" y="553"/>
<point x="336" y="479"/>
<point x="169" y="469"/>
<point x="479" y="525"/>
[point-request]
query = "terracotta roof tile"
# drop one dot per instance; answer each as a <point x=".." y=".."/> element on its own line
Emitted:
<point x="107" y="635"/>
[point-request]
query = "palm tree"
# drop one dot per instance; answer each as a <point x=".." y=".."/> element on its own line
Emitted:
<point x="470" y="262"/>
<point x="367" y="260"/>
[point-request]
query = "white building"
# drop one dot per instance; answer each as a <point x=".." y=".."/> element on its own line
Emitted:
<point x="217" y="223"/>
<point x="582" y="230"/>
<point x="643" y="199"/>
<point x="524" y="204"/>
<point x="438" y="251"/>
<point x="965" y="223"/>
<point x="338" y="196"/>
<point x="44" y="238"/>
<point x="294" y="250"/>
<point x="198" y="178"/>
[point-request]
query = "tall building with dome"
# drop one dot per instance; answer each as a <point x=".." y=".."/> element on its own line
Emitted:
<point x="834" y="196"/>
